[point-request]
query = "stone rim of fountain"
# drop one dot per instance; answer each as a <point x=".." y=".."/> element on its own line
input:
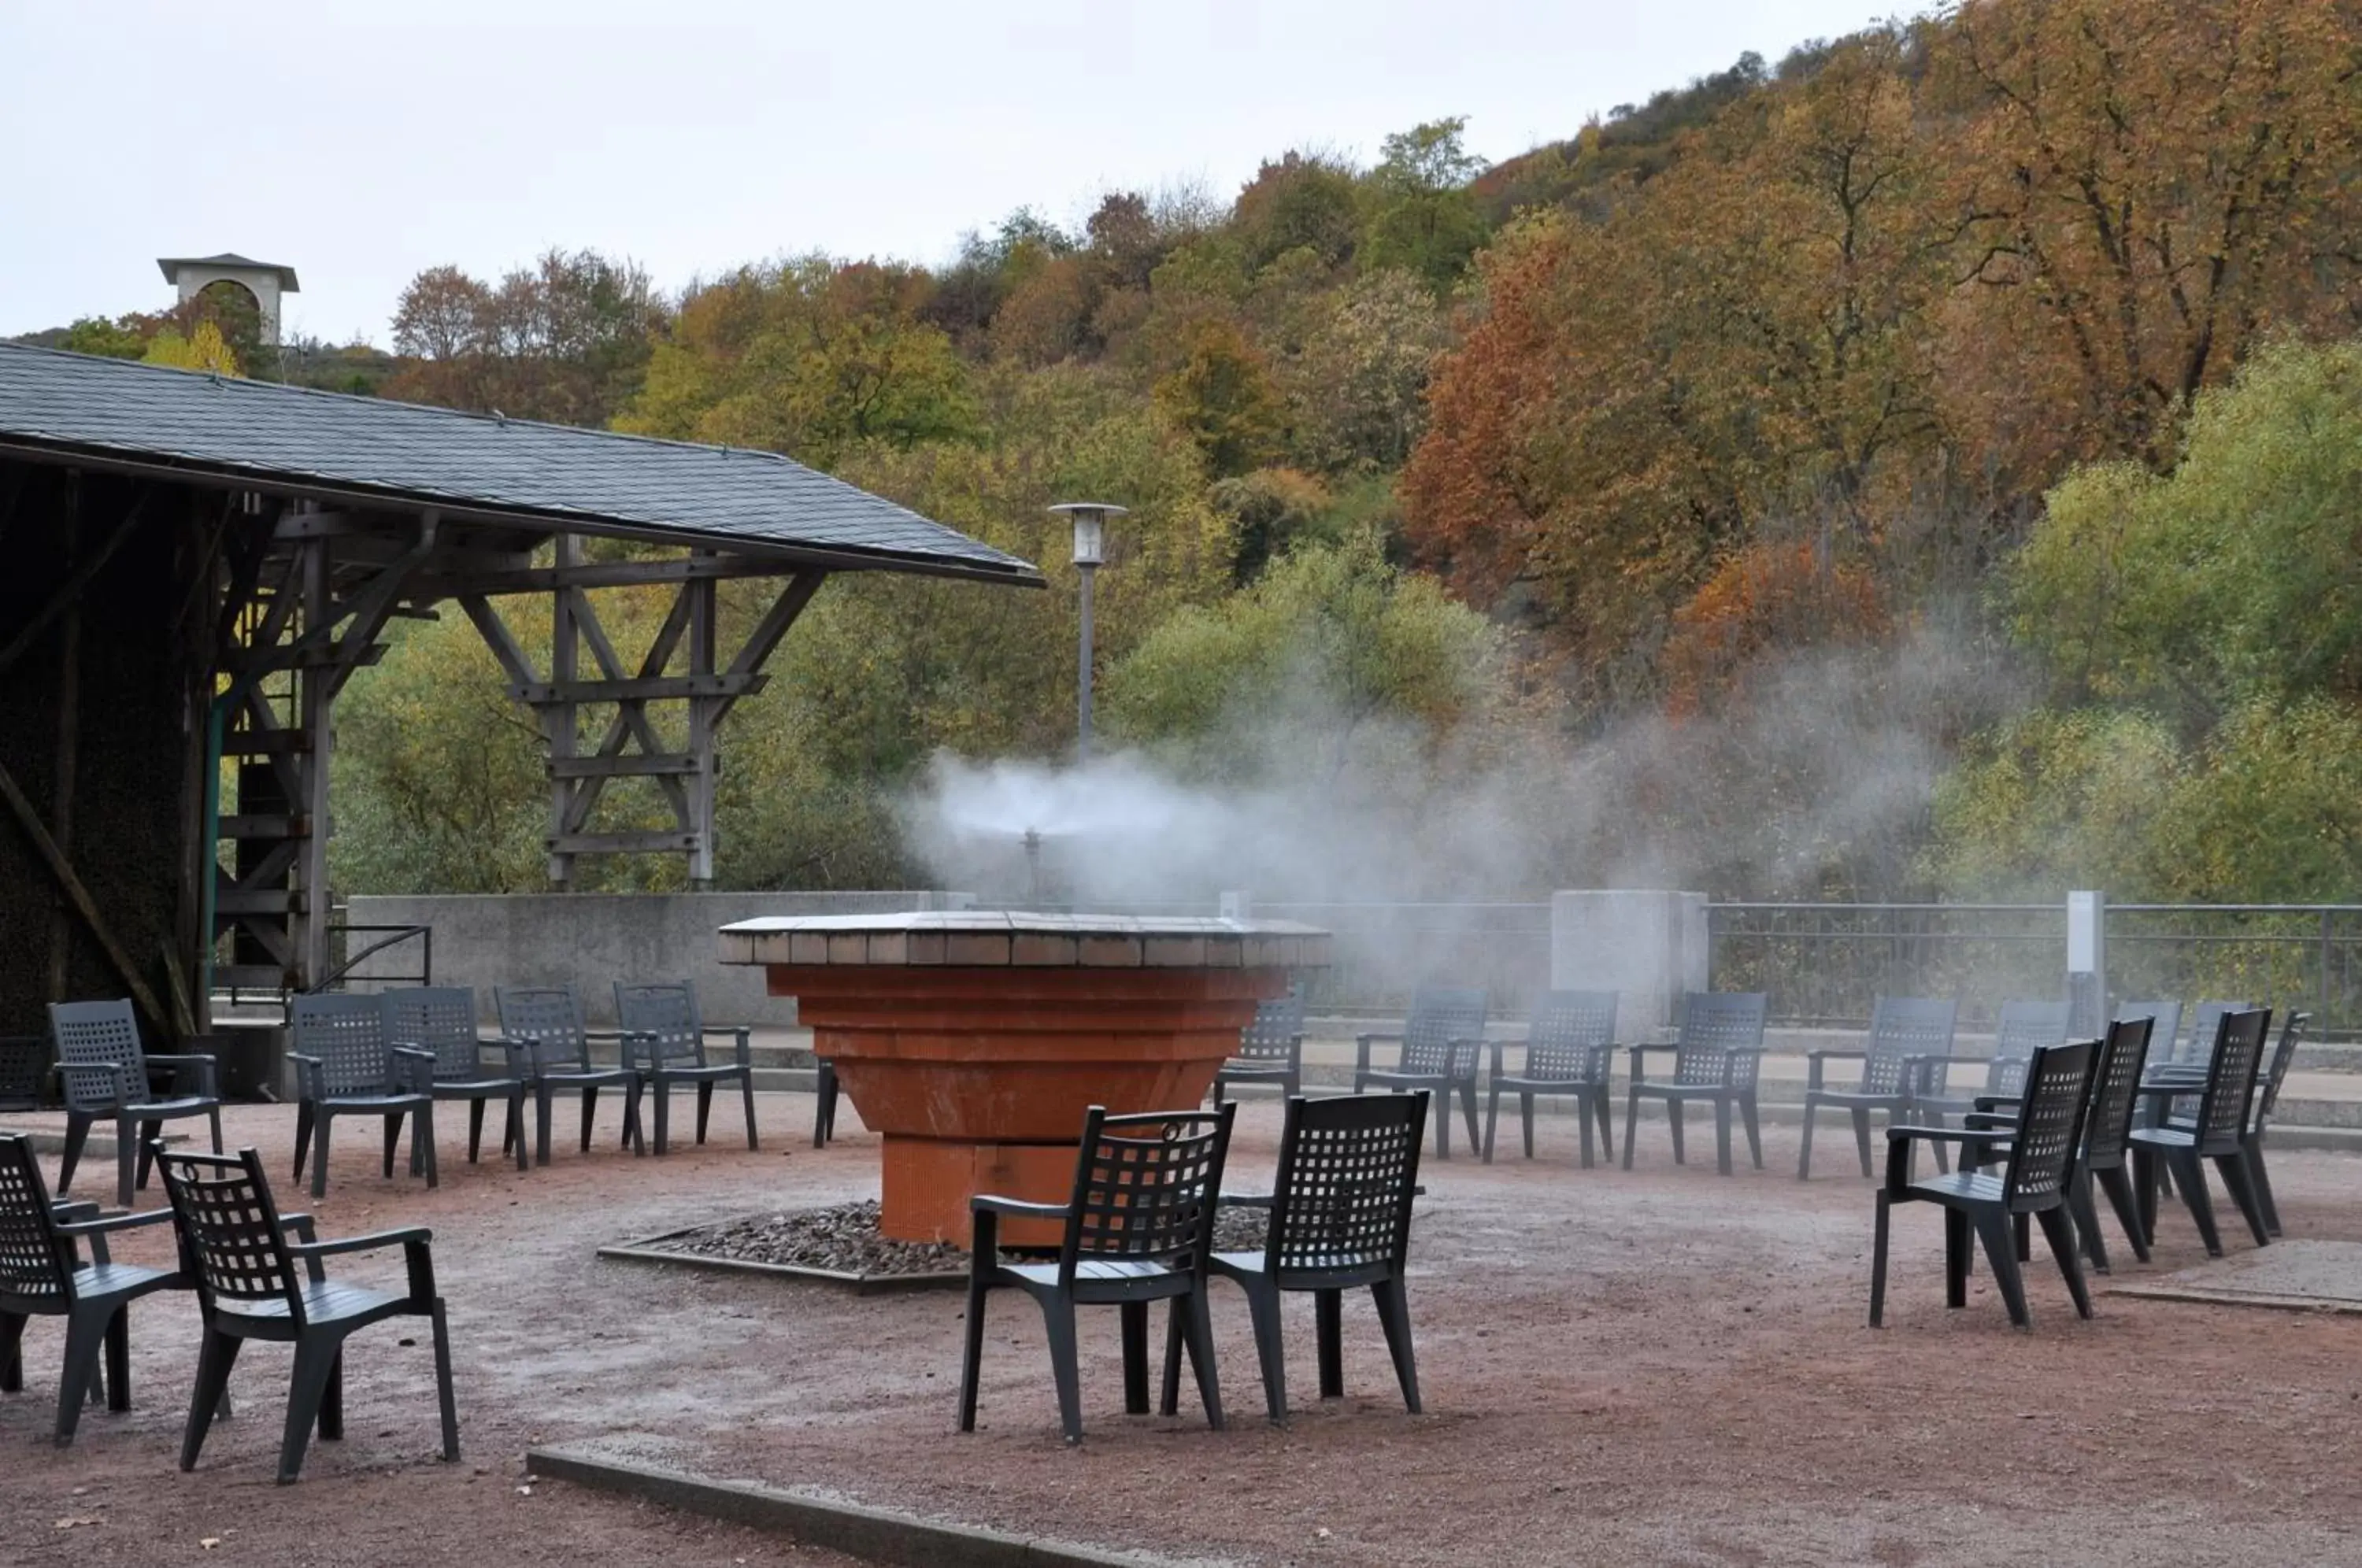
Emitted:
<point x="1022" y="939"/>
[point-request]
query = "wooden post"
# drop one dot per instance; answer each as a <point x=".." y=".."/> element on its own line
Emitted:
<point x="62" y="796"/>
<point x="558" y="720"/>
<point x="701" y="594"/>
<point x="316" y="687"/>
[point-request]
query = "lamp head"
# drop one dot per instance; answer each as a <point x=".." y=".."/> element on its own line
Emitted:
<point x="1090" y="528"/>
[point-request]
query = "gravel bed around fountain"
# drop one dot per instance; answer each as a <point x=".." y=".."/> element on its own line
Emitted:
<point x="840" y="1244"/>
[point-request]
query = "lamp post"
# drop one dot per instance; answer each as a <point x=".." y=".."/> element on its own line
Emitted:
<point x="1089" y="518"/>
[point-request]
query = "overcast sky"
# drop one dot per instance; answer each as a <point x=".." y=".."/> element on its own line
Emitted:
<point x="359" y="143"/>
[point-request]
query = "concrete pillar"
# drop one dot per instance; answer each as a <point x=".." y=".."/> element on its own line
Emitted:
<point x="1647" y="945"/>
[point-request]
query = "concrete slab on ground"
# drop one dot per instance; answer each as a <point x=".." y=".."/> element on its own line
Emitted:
<point x="2305" y="1276"/>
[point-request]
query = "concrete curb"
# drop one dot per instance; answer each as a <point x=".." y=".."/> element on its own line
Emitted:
<point x="874" y="1535"/>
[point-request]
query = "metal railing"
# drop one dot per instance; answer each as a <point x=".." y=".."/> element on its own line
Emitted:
<point x="343" y="958"/>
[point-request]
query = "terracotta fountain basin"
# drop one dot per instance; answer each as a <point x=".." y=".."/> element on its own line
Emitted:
<point x="974" y="1041"/>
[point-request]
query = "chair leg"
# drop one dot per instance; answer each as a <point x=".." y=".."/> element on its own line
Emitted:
<point x="1746" y="1119"/>
<point x="1861" y="1136"/>
<point x="151" y="1134"/>
<point x="1673" y="1125"/>
<point x="315" y="1363"/>
<point x="422" y="1140"/>
<point x="302" y="1135"/>
<point x="1200" y="1321"/>
<point x="541" y="1123"/>
<point x="86" y="1336"/>
<point x="1271" y="1353"/>
<point x="1394" y="1317"/>
<point x="1956" y="1258"/>
<point x="475" y="1128"/>
<point x="77" y="1134"/>
<point x="662" y="1095"/>
<point x="1632" y="1119"/>
<point x="746" y="1092"/>
<point x="322" y="1122"/>
<point x="972" y="1351"/>
<point x="1176" y="1330"/>
<point x="705" y="1109"/>
<point x="1058" y="1321"/>
<point x="216" y="1356"/>
<point x="1607" y="1122"/>
<point x="450" y="1412"/>
<point x="1468" y="1112"/>
<point x="392" y="1140"/>
<point x="2190" y="1175"/>
<point x="12" y="1352"/>
<point x="1721" y="1135"/>
<point x="1804" y="1146"/>
<point x="2234" y="1166"/>
<point x="1999" y="1238"/>
<point x="823" y="1103"/>
<point x="1526" y="1119"/>
<point x="332" y="1401"/>
<point x="2021" y="1233"/>
<point x="2118" y="1186"/>
<point x="1443" y="1124"/>
<point x="633" y="1093"/>
<point x="2252" y="1151"/>
<point x="126" y="1144"/>
<point x="1878" y="1261"/>
<point x="589" y="1094"/>
<point x="1134" y="1315"/>
<point x="1492" y="1121"/>
<point x="512" y="1125"/>
<point x="1330" y="1339"/>
<point x="1583" y="1106"/>
<point x="2060" y="1231"/>
<point x="212" y="1114"/>
<point x="2145" y="1164"/>
<point x="2086" y="1215"/>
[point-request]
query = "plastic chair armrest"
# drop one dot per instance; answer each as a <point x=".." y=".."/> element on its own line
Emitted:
<point x="310" y="1081"/>
<point x="207" y="1071"/>
<point x="120" y="1222"/>
<point x="375" y="1241"/>
<point x="1361" y="1043"/>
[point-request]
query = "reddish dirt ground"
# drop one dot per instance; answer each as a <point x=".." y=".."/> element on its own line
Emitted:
<point x="1658" y="1366"/>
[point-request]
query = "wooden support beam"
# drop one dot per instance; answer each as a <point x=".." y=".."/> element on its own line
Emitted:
<point x="624" y="765"/>
<point x="572" y="693"/>
<point x="768" y="632"/>
<point x="262" y="826"/>
<point x="78" y="896"/>
<point x="646" y="841"/>
<point x="256" y="662"/>
<point x="260" y="901"/>
<point x="442" y="584"/>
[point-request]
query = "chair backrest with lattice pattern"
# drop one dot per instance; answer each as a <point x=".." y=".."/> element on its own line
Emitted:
<point x="1145" y="1186"/>
<point x="550" y="1017"/>
<point x="665" y="1014"/>
<point x="2024" y="1027"/>
<point x="2231" y="1080"/>
<point x="231" y="1240"/>
<point x="2275" y="1073"/>
<point x="2168" y="1016"/>
<point x="2206" y="1032"/>
<point x="35" y="1261"/>
<point x="2116" y="1093"/>
<point x="2049" y="1125"/>
<point x="1572" y="1036"/>
<point x="1440" y="1016"/>
<point x="1715" y="1023"/>
<point x="1902" y="1028"/>
<point x="1277" y="1033"/>
<point x="441" y="1019"/>
<point x="346" y="1033"/>
<point x="95" y="1034"/>
<point x="1348" y="1170"/>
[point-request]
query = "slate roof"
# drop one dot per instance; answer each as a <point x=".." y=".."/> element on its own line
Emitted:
<point x="120" y="413"/>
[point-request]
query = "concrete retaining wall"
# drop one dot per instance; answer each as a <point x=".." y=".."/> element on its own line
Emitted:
<point x="594" y="939"/>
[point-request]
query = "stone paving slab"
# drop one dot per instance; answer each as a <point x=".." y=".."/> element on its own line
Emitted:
<point x="2301" y="1275"/>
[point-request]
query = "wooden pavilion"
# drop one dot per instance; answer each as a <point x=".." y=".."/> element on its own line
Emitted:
<point x="195" y="566"/>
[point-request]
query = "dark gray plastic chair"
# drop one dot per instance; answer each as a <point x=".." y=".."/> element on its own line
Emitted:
<point x="1716" y="1059"/>
<point x="234" y="1243"/>
<point x="441" y="1021"/>
<point x="2043" y="1141"/>
<point x="41" y="1276"/>
<point x="1339" y="1207"/>
<point x="664" y="1042"/>
<point x="1438" y="1049"/>
<point x="1271" y="1048"/>
<point x="105" y="1072"/>
<point x="542" y="1030"/>
<point x="346" y="1065"/>
<point x="2217" y="1134"/>
<point x="1138" y="1230"/>
<point x="2107" y="1124"/>
<point x="1904" y="1032"/>
<point x="2263" y="1106"/>
<point x="1570" y="1051"/>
